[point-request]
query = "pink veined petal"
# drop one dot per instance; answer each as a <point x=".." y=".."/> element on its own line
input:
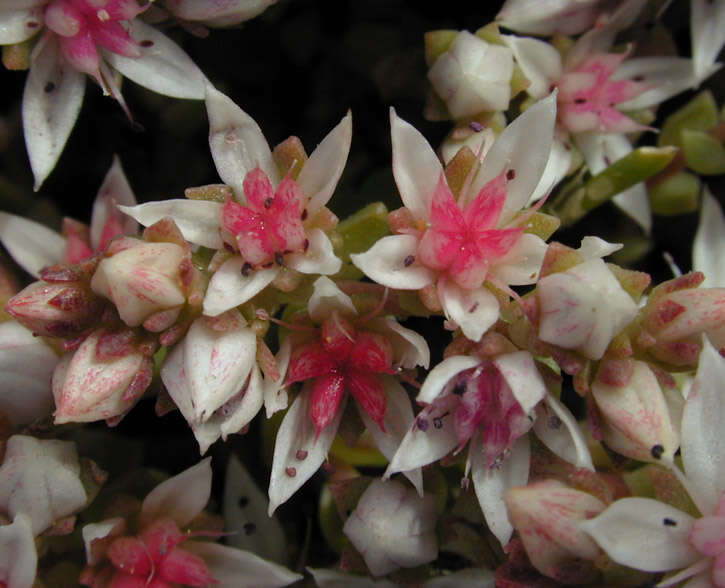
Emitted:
<point x="123" y="9"/>
<point x="285" y="216"/>
<point x="496" y="243"/>
<point x="64" y="19"/>
<point x="437" y="249"/>
<point x="185" y="568"/>
<point x="469" y="268"/>
<point x="708" y="535"/>
<point x="445" y="215"/>
<point x="258" y="190"/>
<point x="368" y="390"/>
<point x="310" y="360"/>
<point x="114" y="37"/>
<point x="76" y="247"/>
<point x="484" y="210"/>
<point x="326" y="394"/>
<point x="80" y="51"/>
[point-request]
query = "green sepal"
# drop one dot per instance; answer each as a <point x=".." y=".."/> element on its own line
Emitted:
<point x="703" y="152"/>
<point x="437" y="43"/>
<point x="699" y="114"/>
<point x="675" y="195"/>
<point x="359" y="232"/>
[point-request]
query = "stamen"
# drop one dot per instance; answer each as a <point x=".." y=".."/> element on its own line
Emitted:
<point x="263" y="315"/>
<point x="336" y="320"/>
<point x="375" y="311"/>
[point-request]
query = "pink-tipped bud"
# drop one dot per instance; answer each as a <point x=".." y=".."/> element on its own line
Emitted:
<point x="547" y="515"/>
<point x="88" y="388"/>
<point x="61" y="309"/>
<point x="142" y="280"/>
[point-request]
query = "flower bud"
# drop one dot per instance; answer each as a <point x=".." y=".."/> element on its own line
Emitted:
<point x="142" y="279"/>
<point x="473" y="76"/>
<point x="58" y="309"/>
<point x="641" y="422"/>
<point x="547" y="515"/>
<point x="89" y="385"/>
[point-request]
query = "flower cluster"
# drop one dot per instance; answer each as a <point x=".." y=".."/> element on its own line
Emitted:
<point x="398" y="356"/>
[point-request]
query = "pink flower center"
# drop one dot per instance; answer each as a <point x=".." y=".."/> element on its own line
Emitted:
<point x="343" y="359"/>
<point x="708" y="537"/>
<point x="588" y="96"/>
<point x="82" y="25"/>
<point x="270" y="226"/>
<point x="465" y="243"/>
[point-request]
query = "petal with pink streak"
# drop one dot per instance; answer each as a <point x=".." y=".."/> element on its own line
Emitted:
<point x="51" y="102"/>
<point x="180" y="498"/>
<point x="491" y="484"/>
<point x="296" y="438"/>
<point x="321" y="172"/>
<point x="416" y="167"/>
<point x="474" y="311"/>
<point x="237" y="143"/>
<point x="397" y="422"/>
<point x="114" y="191"/>
<point x="229" y="288"/>
<point x="523" y="147"/>
<point x="163" y="66"/>
<point x="385" y="263"/>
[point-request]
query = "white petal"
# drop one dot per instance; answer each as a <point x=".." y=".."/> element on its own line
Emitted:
<point x="669" y="76"/>
<point x="163" y="66"/>
<point x="491" y="484"/>
<point x="334" y="579"/>
<point x="703" y="444"/>
<point x="472" y="310"/>
<point x="198" y="220"/>
<point x="237" y="143"/>
<point x="94" y="531"/>
<point x="384" y="263"/>
<point x="246" y="408"/>
<point x="592" y="247"/>
<point x="707" y="34"/>
<point x="327" y="298"/>
<point x="234" y="568"/>
<point x="181" y="497"/>
<point x="115" y="190"/>
<point x="275" y="395"/>
<point x="319" y="257"/>
<point x="398" y="420"/>
<point x="245" y="503"/>
<point x="521" y="375"/>
<point x="297" y="433"/>
<point x="520" y="266"/>
<point x="32" y="245"/>
<point x="409" y="347"/>
<point x="422" y="446"/>
<point x="14" y="24"/>
<point x="26" y="367"/>
<point x="441" y="374"/>
<point x="632" y="531"/>
<point x="567" y="441"/>
<point x="49" y="117"/>
<point x="709" y="242"/>
<point x="547" y="17"/>
<point x="416" y="167"/>
<point x="524" y="147"/>
<point x="229" y="288"/>
<point x="323" y="169"/>
<point x="217" y="363"/>
<point x="539" y="61"/>
<point x="18" y="557"/>
<point x="557" y="168"/>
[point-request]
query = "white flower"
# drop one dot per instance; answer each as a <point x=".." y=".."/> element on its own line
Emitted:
<point x="41" y="479"/>
<point x="473" y="75"/>
<point x="648" y="535"/>
<point x="392" y="527"/>
<point x="490" y="405"/>
<point x="271" y="221"/>
<point x="101" y="39"/>
<point x="18" y="557"/>
<point x="562" y="17"/>
<point x="459" y="245"/>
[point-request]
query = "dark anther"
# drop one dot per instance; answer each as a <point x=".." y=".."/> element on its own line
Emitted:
<point x="554" y="422"/>
<point x="246" y="269"/>
<point x="475" y="126"/>
<point x="268" y="265"/>
<point x="657" y="451"/>
<point x="510" y="174"/>
<point x="669" y="522"/>
<point x="49" y="87"/>
<point x="268" y="202"/>
<point x="473" y="308"/>
<point x="291" y="472"/>
<point x="249" y="528"/>
<point x="279" y="258"/>
<point x="242" y="502"/>
<point x="459" y="388"/>
<point x="580" y="100"/>
<point x="422" y="424"/>
<point x="438" y="423"/>
<point x="639" y="78"/>
<point x="408" y="261"/>
<point x="146" y="43"/>
<point x="32" y="24"/>
<point x="301" y="454"/>
<point x="303" y="216"/>
<point x="228" y="247"/>
<point x="306" y="245"/>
